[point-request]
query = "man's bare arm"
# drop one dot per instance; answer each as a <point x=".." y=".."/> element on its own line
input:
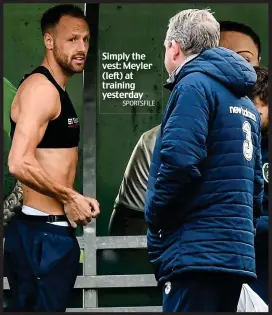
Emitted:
<point x="38" y="101"/>
<point x="13" y="202"/>
<point x="38" y="105"/>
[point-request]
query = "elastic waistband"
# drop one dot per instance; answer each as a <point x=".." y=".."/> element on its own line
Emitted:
<point x="32" y="211"/>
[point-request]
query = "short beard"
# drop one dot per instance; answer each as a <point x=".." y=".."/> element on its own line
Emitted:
<point x="63" y="62"/>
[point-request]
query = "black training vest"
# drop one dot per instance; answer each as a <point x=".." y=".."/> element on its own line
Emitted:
<point x="64" y="131"/>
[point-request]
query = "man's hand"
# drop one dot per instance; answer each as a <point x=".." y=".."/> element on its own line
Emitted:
<point x="81" y="210"/>
<point x="94" y="206"/>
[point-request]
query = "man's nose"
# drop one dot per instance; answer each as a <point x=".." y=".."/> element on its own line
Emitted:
<point x="82" y="46"/>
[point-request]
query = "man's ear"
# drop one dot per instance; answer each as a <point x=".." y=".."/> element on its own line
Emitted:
<point x="48" y="41"/>
<point x="260" y="58"/>
<point x="176" y="47"/>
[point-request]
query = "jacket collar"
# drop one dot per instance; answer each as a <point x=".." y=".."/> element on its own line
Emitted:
<point x="171" y="81"/>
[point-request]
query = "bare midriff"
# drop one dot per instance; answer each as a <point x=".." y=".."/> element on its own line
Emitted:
<point x="61" y="166"/>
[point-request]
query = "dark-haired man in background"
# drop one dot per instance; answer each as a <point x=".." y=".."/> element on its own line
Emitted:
<point x="41" y="253"/>
<point x="242" y="39"/>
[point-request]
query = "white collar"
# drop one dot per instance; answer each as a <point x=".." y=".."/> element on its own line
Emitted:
<point x="172" y="76"/>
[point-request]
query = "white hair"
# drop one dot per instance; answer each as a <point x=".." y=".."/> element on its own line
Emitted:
<point x="195" y="30"/>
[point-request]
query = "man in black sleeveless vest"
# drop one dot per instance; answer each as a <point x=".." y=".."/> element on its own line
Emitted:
<point x="41" y="252"/>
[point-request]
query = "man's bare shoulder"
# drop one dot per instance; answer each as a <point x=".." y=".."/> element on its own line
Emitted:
<point x="37" y="82"/>
<point x="37" y="93"/>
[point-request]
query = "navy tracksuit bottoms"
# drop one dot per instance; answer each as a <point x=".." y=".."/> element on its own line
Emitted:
<point x="41" y="261"/>
<point x="202" y="292"/>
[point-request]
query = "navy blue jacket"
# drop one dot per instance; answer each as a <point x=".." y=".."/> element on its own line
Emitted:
<point x="206" y="173"/>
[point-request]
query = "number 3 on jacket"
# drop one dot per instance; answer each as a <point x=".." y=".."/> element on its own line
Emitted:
<point x="247" y="146"/>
